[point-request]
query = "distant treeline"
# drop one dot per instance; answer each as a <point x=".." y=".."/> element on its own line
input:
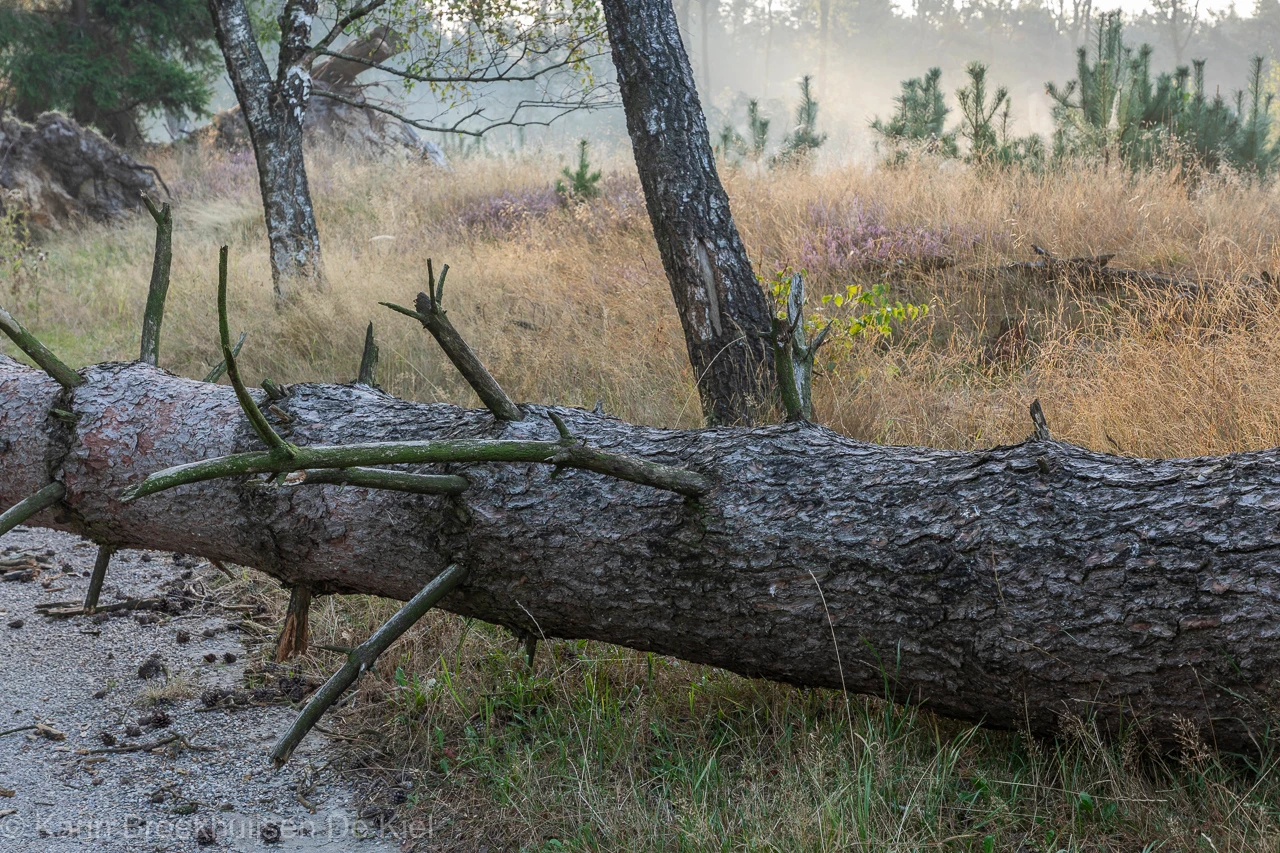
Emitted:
<point x="747" y="43"/>
<point x="858" y="49"/>
<point x="1116" y="106"/>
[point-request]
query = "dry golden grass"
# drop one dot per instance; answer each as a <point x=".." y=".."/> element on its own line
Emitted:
<point x="571" y="305"/>
<point x="604" y="749"/>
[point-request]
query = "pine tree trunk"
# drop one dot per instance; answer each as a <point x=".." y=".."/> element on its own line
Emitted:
<point x="722" y="307"/>
<point x="273" y="109"/>
<point x="1007" y="586"/>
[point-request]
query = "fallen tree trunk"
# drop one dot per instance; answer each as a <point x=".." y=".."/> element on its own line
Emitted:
<point x="1006" y="586"/>
<point x="1095" y="271"/>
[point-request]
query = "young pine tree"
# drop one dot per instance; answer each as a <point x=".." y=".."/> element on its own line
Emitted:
<point x="1254" y="147"/>
<point x="919" y="119"/>
<point x="979" y="116"/>
<point x="1114" y="105"/>
<point x="804" y="138"/>
<point x="582" y="182"/>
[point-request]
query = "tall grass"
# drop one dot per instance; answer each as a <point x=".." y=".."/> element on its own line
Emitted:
<point x="598" y="748"/>
<point x="569" y="303"/>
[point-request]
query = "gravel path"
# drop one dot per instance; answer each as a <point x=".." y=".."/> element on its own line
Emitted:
<point x="206" y="784"/>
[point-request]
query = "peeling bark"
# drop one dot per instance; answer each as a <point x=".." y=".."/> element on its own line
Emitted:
<point x="1006" y="586"/>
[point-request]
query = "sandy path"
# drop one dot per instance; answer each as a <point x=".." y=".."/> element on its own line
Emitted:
<point x="50" y="671"/>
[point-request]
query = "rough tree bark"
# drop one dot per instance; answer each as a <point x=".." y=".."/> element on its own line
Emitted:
<point x="1008" y="585"/>
<point x="722" y="308"/>
<point x="273" y="109"/>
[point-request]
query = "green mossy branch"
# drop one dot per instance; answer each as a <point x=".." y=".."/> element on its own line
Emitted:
<point x="279" y="447"/>
<point x="363" y="657"/>
<point x="397" y="481"/>
<point x="463" y="450"/>
<point x="27" y="507"/>
<point x="38" y="352"/>
<point x="153" y="316"/>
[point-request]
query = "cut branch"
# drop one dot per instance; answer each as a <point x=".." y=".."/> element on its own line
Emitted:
<point x="38" y="352"/>
<point x="363" y="657"/>
<point x="431" y="315"/>
<point x="153" y="316"/>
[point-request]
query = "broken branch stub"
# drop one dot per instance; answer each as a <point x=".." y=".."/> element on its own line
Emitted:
<point x="158" y="291"/>
<point x="793" y="355"/>
<point x="105" y="553"/>
<point x="296" y="634"/>
<point x="431" y="314"/>
<point x="1041" y="424"/>
<point x="368" y="374"/>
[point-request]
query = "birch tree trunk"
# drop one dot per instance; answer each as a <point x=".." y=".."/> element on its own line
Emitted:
<point x="273" y="109"/>
<point x="1007" y="586"/>
<point x="722" y="308"/>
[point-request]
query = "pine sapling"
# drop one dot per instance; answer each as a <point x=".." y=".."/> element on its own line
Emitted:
<point x="582" y="183"/>
<point x="804" y="139"/>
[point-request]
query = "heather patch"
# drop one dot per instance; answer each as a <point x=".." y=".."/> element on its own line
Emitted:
<point x="851" y="235"/>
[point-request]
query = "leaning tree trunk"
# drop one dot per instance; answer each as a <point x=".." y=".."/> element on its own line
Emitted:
<point x="273" y="110"/>
<point x="1009" y="585"/>
<point x="722" y="307"/>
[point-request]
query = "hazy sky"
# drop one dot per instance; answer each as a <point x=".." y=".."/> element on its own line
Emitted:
<point x="1244" y="7"/>
<point x="1134" y="6"/>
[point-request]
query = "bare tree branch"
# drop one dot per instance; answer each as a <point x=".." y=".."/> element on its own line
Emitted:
<point x="563" y="109"/>
<point x="340" y="27"/>
<point x="503" y="76"/>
